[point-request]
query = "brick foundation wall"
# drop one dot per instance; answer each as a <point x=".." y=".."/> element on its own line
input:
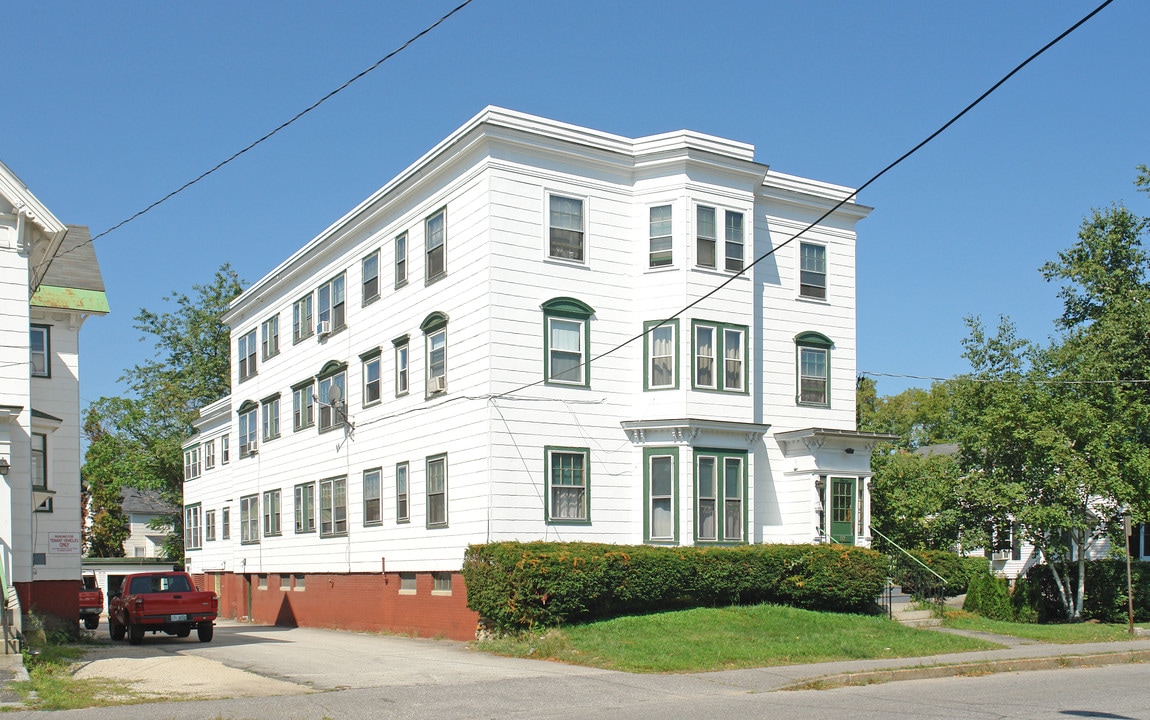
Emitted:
<point x="370" y="602"/>
<point x="51" y="597"/>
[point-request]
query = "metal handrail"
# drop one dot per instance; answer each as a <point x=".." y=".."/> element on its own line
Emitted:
<point x="912" y="557"/>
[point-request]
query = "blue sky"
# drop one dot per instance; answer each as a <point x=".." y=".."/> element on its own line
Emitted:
<point x="109" y="106"/>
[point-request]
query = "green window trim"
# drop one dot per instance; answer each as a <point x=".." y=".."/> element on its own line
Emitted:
<point x="568" y="485"/>
<point x="650" y="329"/>
<point x="433" y="488"/>
<point x="717" y="491"/>
<point x="812" y="349"/>
<point x="371" y="354"/>
<point x="331" y="367"/>
<point x="650" y="498"/>
<point x="719" y="361"/>
<point x="569" y="310"/>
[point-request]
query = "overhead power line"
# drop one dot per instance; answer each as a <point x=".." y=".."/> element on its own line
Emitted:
<point x="846" y="199"/>
<point x="269" y="135"/>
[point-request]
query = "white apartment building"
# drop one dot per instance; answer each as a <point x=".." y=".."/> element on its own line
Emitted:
<point x="537" y="331"/>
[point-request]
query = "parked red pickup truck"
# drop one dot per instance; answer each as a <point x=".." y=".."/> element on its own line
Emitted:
<point x="91" y="602"/>
<point x="161" y="602"/>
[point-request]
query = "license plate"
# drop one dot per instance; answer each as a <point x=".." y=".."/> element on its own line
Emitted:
<point x="179" y="618"/>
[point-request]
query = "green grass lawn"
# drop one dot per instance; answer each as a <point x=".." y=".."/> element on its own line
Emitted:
<point x="1061" y="633"/>
<point x="705" y="639"/>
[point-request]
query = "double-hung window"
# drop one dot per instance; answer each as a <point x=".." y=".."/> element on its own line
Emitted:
<point x="193" y="538"/>
<point x="370" y="270"/>
<point x="302" y="406"/>
<point x="402" y="508"/>
<point x="333" y="507"/>
<point x="567" y="485"/>
<point x="330" y="299"/>
<point x="41" y="350"/>
<point x="437" y="491"/>
<point x="401" y="260"/>
<point x="210" y="526"/>
<point x="661" y="475"/>
<point x="435" y="238"/>
<point x="270" y="337"/>
<point x="209" y="454"/>
<point x="270" y="418"/>
<point x="371" y="379"/>
<point x="402" y="376"/>
<point x="813" y="271"/>
<point x="301" y="319"/>
<point x="305" y="508"/>
<point x="734" y="240"/>
<point x="371" y="500"/>
<point x="191" y="462"/>
<point x="661" y="350"/>
<point x="250" y="519"/>
<point x="434" y="329"/>
<point x="226" y="524"/>
<point x="40" y="461"/>
<point x="706" y="237"/>
<point x="814" y="351"/>
<point x="331" y="404"/>
<point x="720" y="492"/>
<point x="660" y="236"/>
<point x="272" y="512"/>
<point x="715" y="342"/>
<point x="246" y="352"/>
<point x="225" y="450"/>
<point x="566" y="341"/>
<point x="565" y="229"/>
<point x="249" y="427"/>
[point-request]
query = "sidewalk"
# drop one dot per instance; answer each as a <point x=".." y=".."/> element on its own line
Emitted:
<point x="11" y="670"/>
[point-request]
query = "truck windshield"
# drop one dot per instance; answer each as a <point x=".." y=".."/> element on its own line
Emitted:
<point x="159" y="584"/>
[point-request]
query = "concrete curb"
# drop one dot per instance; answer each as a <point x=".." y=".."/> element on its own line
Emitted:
<point x="987" y="667"/>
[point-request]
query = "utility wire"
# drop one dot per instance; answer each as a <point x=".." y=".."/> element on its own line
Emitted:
<point x="268" y="136"/>
<point x="1006" y="381"/>
<point x="845" y="200"/>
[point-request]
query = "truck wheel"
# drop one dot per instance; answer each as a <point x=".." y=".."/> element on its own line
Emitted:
<point x="205" y="631"/>
<point x="92" y="622"/>
<point x="115" y="630"/>
<point x="135" y="634"/>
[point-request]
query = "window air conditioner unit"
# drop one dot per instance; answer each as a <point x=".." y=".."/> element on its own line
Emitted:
<point x="1000" y="555"/>
<point x="251" y="448"/>
<point x="439" y="383"/>
<point x="323" y="328"/>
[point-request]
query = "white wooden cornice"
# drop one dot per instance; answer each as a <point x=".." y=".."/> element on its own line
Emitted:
<point x="687" y="431"/>
<point x="813" y="439"/>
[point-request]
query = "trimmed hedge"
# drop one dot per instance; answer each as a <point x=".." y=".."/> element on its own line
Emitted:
<point x="522" y="585"/>
<point x="957" y="570"/>
<point x="989" y="597"/>
<point x="1105" y="597"/>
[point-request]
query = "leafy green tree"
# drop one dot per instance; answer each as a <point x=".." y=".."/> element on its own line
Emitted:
<point x="135" y="441"/>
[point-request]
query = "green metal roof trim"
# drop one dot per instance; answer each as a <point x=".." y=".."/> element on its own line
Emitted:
<point x="49" y="296"/>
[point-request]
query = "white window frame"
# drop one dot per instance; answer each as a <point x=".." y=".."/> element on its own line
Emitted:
<point x="225" y="450"/>
<point x="210" y="526"/>
<point x="193" y="529"/>
<point x="660" y="234"/>
<point x="372" y="381"/>
<point x="436" y="368"/>
<point x="722" y="334"/>
<point x="270" y="419"/>
<point x="332" y="507"/>
<point x="249" y="519"/>
<point x="226" y="524"/>
<point x="270" y="337"/>
<point x="329" y="417"/>
<point x="303" y="407"/>
<point x="249" y="430"/>
<point x="305" y="508"/>
<point x="711" y="241"/>
<point x="209" y="452"/>
<point x="372" y="498"/>
<point x="652" y="330"/>
<point x="666" y="499"/>
<point x="806" y="378"/>
<point x="272" y="500"/>
<point x="44" y="352"/>
<point x="565" y="481"/>
<point x="331" y="303"/>
<point x="192" y="467"/>
<point x="723" y="503"/>
<point x="369" y="278"/>
<point x="435" y="245"/>
<point x="402" y="367"/>
<point x="812" y="281"/>
<point x="734" y="262"/>
<point x="400" y="260"/>
<point x="555" y="211"/>
<point x="402" y="492"/>
<point x="303" y="323"/>
<point x="436" y="490"/>
<point x="246" y="352"/>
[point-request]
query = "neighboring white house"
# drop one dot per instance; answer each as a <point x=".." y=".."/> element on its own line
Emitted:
<point x="50" y="284"/>
<point x="474" y="354"/>
<point x="141" y="508"/>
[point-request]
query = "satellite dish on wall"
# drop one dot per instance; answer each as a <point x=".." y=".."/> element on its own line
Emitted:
<point x="334" y="394"/>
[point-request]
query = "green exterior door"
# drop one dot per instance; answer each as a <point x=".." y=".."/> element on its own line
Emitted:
<point x="843" y="509"/>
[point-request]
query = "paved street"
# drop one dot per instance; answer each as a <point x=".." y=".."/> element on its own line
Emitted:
<point x="339" y="675"/>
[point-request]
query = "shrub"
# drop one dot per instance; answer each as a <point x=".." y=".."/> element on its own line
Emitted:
<point x="523" y="585"/>
<point x="1105" y="597"/>
<point x="989" y="597"/>
<point x="1023" y="601"/>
